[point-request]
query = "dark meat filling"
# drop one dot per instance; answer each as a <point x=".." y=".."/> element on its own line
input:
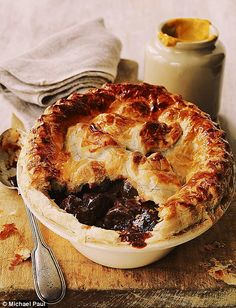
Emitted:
<point x="112" y="205"/>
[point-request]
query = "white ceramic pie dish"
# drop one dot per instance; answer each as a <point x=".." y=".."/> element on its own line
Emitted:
<point x="192" y="181"/>
<point x="121" y="256"/>
<point x="127" y="257"/>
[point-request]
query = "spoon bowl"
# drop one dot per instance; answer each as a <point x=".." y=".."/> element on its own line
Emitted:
<point x="10" y="146"/>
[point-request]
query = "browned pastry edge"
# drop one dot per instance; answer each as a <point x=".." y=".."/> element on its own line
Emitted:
<point x="149" y="102"/>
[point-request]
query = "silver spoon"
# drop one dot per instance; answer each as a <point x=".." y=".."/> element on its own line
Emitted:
<point x="49" y="281"/>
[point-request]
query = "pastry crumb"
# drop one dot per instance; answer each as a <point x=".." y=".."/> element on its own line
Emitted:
<point x="21" y="256"/>
<point x="212" y="246"/>
<point x="25" y="253"/>
<point x="8" y="230"/>
<point x="223" y="272"/>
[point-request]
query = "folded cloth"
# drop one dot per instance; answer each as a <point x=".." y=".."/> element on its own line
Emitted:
<point x="77" y="58"/>
<point x="25" y="113"/>
<point x="28" y="113"/>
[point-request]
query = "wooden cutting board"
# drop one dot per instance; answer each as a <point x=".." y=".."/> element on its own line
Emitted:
<point x="180" y="279"/>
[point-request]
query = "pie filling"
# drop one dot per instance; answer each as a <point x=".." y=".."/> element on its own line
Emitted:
<point x="112" y="205"/>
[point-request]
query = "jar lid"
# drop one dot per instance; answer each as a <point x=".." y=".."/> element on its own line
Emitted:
<point x="187" y="33"/>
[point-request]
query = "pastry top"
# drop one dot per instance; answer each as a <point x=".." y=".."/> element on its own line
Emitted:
<point x="167" y="148"/>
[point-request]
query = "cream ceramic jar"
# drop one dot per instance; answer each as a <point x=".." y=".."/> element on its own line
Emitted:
<point x="187" y="58"/>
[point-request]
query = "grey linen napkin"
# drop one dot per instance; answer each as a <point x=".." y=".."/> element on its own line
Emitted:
<point x="75" y="59"/>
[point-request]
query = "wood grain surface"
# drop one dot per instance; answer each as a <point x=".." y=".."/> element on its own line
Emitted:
<point x="180" y="279"/>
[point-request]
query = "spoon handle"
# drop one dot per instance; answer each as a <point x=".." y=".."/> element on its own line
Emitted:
<point x="48" y="278"/>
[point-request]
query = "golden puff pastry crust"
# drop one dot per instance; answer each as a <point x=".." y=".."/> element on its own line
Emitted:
<point x="168" y="149"/>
